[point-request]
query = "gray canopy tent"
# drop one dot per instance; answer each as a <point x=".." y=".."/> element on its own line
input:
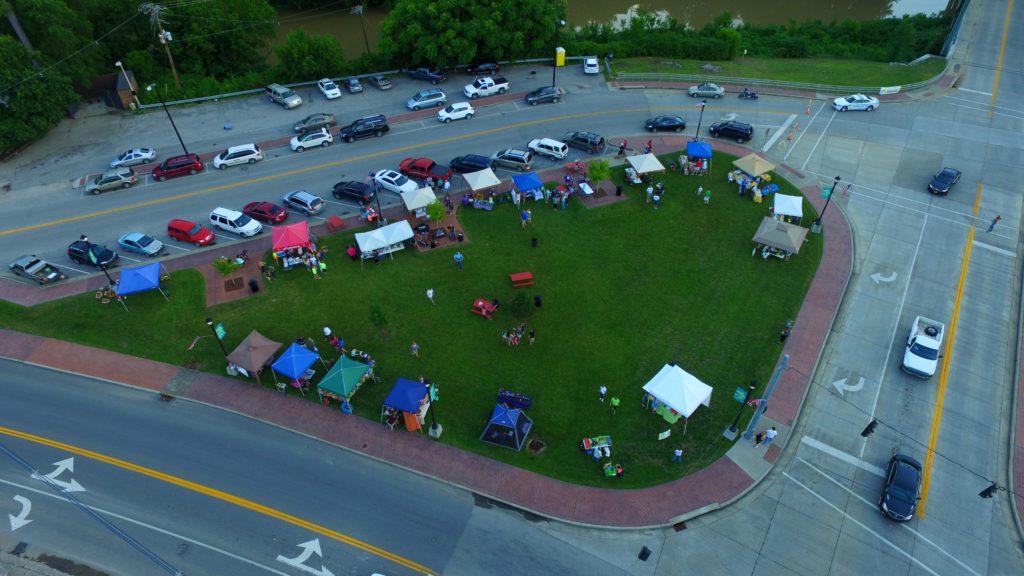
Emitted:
<point x="779" y="239"/>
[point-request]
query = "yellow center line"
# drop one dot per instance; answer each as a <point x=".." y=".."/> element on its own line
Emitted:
<point x="977" y="200"/>
<point x="334" y="164"/>
<point x="1002" y="52"/>
<point x="222" y="496"/>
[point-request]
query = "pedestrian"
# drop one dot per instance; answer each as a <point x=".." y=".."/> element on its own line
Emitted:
<point x="327" y="332"/>
<point x="271" y="273"/>
<point x="615" y="404"/>
<point x="603" y="390"/>
<point x="677" y="455"/>
<point x="323" y="266"/>
<point x="524" y="217"/>
<point x="758" y="438"/>
<point x="564" y="196"/>
<point x="263" y="267"/>
<point x="504" y="336"/>
<point x="429" y="183"/>
<point x="846" y="189"/>
<point x="458" y="260"/>
<point x="377" y="258"/>
<point x="529" y="216"/>
<point x="770" y="435"/>
<point x="447" y="187"/>
<point x="537" y="300"/>
<point x="707" y="196"/>
<point x="700" y="190"/>
<point x="784" y="334"/>
<point x="312" y="344"/>
<point x="994" y="222"/>
<point x="649" y="147"/>
<point x="415" y="349"/>
<point x="533" y="335"/>
<point x="430" y="296"/>
<point x="657" y="200"/>
<point x="521" y="329"/>
<point x="622" y="148"/>
<point x="316" y="271"/>
<point x="650" y="192"/>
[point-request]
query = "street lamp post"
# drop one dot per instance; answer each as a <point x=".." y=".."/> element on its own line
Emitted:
<point x="209" y="322"/>
<point x="816" y="225"/>
<point x="95" y="260"/>
<point x="168" y="112"/>
<point x="135" y="95"/>
<point x="735" y="421"/>
<point x="696" y="135"/>
<point x="554" y="63"/>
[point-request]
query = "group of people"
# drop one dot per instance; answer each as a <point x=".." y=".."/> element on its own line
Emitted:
<point x="654" y="193"/>
<point x="747" y="184"/>
<point x="515" y="336"/>
<point x="698" y="167"/>
<point x="438" y="185"/>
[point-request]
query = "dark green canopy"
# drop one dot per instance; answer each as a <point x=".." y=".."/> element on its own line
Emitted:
<point x="344" y="378"/>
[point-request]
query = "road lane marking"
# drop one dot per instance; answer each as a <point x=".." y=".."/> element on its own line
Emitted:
<point x="977" y="200"/>
<point x="222" y="496"/>
<point x="999" y="61"/>
<point x="778" y="134"/>
<point x="816" y="143"/>
<point x="995" y="249"/>
<point x="840" y="455"/>
<point x="804" y="131"/>
<point x="974" y="91"/>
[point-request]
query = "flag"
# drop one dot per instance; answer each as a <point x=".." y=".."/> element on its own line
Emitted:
<point x="755" y="401"/>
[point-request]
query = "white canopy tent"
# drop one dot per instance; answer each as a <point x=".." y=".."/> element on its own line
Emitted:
<point x="645" y="163"/>
<point x="420" y="198"/>
<point x="384" y="240"/>
<point x="792" y="206"/>
<point x="481" y="180"/>
<point x="679" y="390"/>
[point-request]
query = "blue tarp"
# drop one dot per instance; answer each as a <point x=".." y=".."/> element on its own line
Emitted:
<point x="295" y="361"/>
<point x="406" y="395"/>
<point x="698" y="149"/>
<point x="529" y="181"/>
<point x="132" y="280"/>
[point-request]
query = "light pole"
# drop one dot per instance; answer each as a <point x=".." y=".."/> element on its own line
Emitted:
<point x="209" y="322"/>
<point x="750" y="392"/>
<point x="554" y="63"/>
<point x="762" y="406"/>
<point x="816" y="226"/>
<point x="696" y="135"/>
<point x="94" y="259"/>
<point x="131" y="86"/>
<point x="358" y="10"/>
<point x="168" y="112"/>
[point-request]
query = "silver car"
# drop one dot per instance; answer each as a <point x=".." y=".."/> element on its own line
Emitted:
<point x="116" y="178"/>
<point x="706" y="90"/>
<point x="134" y="157"/>
<point x="140" y="244"/>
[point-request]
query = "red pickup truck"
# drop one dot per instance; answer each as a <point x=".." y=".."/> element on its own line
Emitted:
<point x="423" y="168"/>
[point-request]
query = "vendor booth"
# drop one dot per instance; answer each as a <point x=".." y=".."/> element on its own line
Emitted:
<point x="527" y="186"/>
<point x="778" y="239"/>
<point x="640" y="165"/>
<point x="697" y="160"/>
<point x="507" y="427"/>
<point x="788" y="208"/>
<point x="483" y="185"/>
<point x="416" y="201"/>
<point x="676" y="393"/>
<point x="343" y="381"/>
<point x="753" y="165"/>
<point x="408" y="401"/>
<point x="385" y="240"/>
<point x="296" y="364"/>
<point x="253" y="355"/>
<point x="139" y="279"/>
<point x="290" y="244"/>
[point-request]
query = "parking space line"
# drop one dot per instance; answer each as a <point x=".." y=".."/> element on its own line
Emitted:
<point x="820" y="136"/>
<point x="995" y="249"/>
<point x="840" y="455"/>
<point x="123" y="257"/>
<point x="76" y="269"/>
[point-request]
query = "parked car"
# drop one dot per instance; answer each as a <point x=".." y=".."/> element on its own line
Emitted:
<point x="549" y="147"/>
<point x="244" y="154"/>
<point x="78" y="251"/>
<point x="314" y="121"/>
<point x="36" y="269"/>
<point x="470" y="163"/>
<point x="456" y="111"/>
<point x="178" y="166"/>
<point x="380" y="82"/>
<point x="116" y="178"/>
<point x="587" y="141"/>
<point x="591" y="65"/>
<point x="304" y="202"/>
<point x="265" y="212"/>
<point x="328" y="88"/>
<point x="283" y="95"/>
<point x="186" y="231"/>
<point x="666" y="124"/>
<point x="234" y="221"/>
<point x="365" y="127"/>
<point x="311" y="139"/>
<point x="423" y="168"/>
<point x="360" y="192"/>
<point x="395" y="181"/>
<point x="902" y="488"/>
<point x="706" y="90"/>
<point x="483" y="68"/>
<point x="427" y="98"/>
<point x="141" y="244"/>
<point x="134" y="157"/>
<point x="353" y="85"/>
<point x="855" y="102"/>
<point x="944" y="180"/>
<point x="432" y="75"/>
<point x="521" y="160"/>
<point x="740" y="131"/>
<point x="544" y="94"/>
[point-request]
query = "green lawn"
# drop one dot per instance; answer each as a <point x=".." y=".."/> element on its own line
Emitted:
<point x="626" y="289"/>
<point x="815" y="71"/>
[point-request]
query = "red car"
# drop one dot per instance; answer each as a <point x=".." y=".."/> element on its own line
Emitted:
<point x="265" y="212"/>
<point x="423" y="168"/>
<point x="186" y="231"/>
<point x="178" y="166"/>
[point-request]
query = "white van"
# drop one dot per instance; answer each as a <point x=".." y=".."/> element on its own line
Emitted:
<point x="547" y="147"/>
<point x="234" y="221"/>
<point x="427" y="98"/>
<point x="244" y="154"/>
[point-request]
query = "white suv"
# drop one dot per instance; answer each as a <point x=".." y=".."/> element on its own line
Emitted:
<point x="246" y="153"/>
<point x="547" y="147"/>
<point x="234" y="221"/>
<point x="318" y="137"/>
<point x="456" y="111"/>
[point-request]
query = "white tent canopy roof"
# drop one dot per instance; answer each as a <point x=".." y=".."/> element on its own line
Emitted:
<point x="679" y="390"/>
<point x="644" y="163"/>
<point x="416" y="199"/>
<point x="384" y="237"/>
<point x="786" y="205"/>
<point x="481" y="180"/>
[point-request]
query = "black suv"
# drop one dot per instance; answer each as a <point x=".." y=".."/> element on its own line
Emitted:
<point x="732" y="129"/>
<point x="432" y="75"/>
<point x="364" y="128"/>
<point x="78" y="251"/>
<point x="470" y="163"/>
<point x="483" y="68"/>
<point x="587" y="141"/>
<point x="358" y="191"/>
<point x="545" y="94"/>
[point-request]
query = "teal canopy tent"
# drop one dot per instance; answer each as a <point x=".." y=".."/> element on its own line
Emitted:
<point x="343" y="380"/>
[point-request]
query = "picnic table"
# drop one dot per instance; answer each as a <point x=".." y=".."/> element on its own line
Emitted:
<point x="520" y="279"/>
<point x="589" y="444"/>
<point x="483" y="308"/>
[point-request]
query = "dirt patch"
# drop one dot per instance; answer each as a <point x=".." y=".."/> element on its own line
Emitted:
<point x="68" y="567"/>
<point x="710" y="68"/>
<point x="536" y="446"/>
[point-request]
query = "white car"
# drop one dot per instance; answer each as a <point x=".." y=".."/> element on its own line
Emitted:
<point x="855" y="102"/>
<point x="329" y="89"/>
<point x="318" y="137"/>
<point x="456" y="111"/>
<point x="590" y="65"/>
<point x="133" y="157"/>
<point x="394" y="181"/>
<point x="244" y="154"/>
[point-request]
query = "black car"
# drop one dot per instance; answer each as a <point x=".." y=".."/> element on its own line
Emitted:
<point x="732" y="129"/>
<point x="470" y="163"/>
<point x="432" y="75"/>
<point x="666" y="124"/>
<point x="944" y="180"/>
<point x="902" y="488"/>
<point x="364" y="128"/>
<point x="587" y="141"/>
<point x="483" y="68"/>
<point x="78" y="251"/>
<point x="545" y="94"/>
<point x="357" y="191"/>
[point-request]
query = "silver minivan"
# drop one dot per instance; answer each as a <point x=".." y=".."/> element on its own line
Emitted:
<point x="427" y="98"/>
<point x="284" y="96"/>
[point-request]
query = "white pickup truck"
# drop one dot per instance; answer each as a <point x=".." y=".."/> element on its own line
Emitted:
<point x="485" y="87"/>
<point x="923" y="346"/>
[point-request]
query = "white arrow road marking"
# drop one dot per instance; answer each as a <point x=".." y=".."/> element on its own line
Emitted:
<point x="841" y="385"/>
<point x="308" y="549"/>
<point x="876" y="277"/>
<point x="22" y="518"/>
<point x="69" y="486"/>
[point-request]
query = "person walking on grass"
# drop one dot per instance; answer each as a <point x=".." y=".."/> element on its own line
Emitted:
<point x="602" y="391"/>
<point x="458" y="260"/>
<point x="430" y="295"/>
<point x="533" y="335"/>
<point x="657" y="199"/>
<point x="707" y="196"/>
<point x="615" y="404"/>
<point x="677" y="455"/>
<point x="415" y="349"/>
<point x="650" y="193"/>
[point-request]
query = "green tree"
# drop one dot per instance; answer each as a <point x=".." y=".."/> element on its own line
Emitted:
<point x="57" y="32"/>
<point x="221" y="38"/>
<point x="30" y="104"/>
<point x="305" y="57"/>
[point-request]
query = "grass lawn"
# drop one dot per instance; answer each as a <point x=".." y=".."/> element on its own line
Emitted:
<point x="626" y="289"/>
<point x="815" y="71"/>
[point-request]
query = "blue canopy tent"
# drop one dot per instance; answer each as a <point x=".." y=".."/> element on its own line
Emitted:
<point x="294" y="364"/>
<point x="697" y="150"/>
<point x="139" y="279"/>
<point x="529" y="184"/>
<point x="410" y="400"/>
<point x="508" y="427"/>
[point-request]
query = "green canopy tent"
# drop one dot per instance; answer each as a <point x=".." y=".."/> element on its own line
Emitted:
<point x="343" y="380"/>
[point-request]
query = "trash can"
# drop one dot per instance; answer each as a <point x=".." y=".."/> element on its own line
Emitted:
<point x="254" y="286"/>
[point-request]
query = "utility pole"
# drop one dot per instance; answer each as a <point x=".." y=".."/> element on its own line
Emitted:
<point x="154" y="11"/>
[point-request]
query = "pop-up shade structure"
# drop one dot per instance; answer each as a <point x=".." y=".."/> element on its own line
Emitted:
<point x="786" y="205"/>
<point x="481" y="180"/>
<point x="383" y="238"/>
<point x="295" y="361"/>
<point x="645" y="163"/>
<point x="508" y="427"/>
<point x="253" y="353"/>
<point x="698" y="149"/>
<point x="753" y="165"/>
<point x="290" y="236"/>
<point x="411" y="399"/>
<point x="419" y="198"/>
<point x="529" y="184"/>
<point x="139" y="279"/>
<point x="343" y="380"/>
<point x="780" y="235"/>
<point x="678" y="390"/>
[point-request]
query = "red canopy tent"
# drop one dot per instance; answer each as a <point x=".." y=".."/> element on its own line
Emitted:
<point x="291" y="236"/>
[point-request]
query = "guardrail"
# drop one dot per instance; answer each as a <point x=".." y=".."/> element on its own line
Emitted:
<point x="757" y="82"/>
